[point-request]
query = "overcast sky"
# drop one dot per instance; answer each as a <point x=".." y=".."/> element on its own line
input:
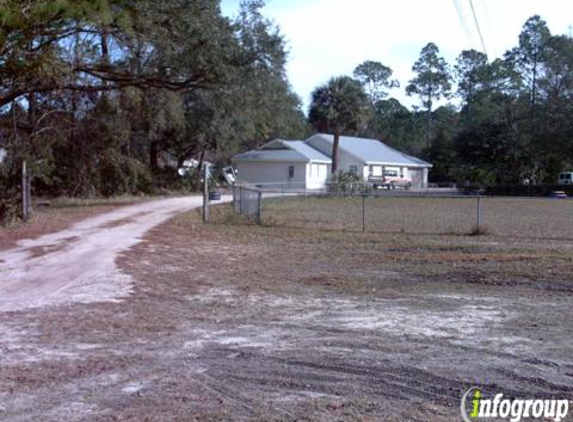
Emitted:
<point x="331" y="37"/>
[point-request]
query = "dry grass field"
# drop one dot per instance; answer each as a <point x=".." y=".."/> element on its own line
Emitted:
<point x="278" y="323"/>
<point x="541" y="218"/>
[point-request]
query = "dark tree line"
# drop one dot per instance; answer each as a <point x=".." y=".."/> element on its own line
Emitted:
<point x="97" y="95"/>
<point x="513" y="125"/>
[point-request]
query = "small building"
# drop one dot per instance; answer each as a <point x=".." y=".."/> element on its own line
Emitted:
<point x="284" y="164"/>
<point x="370" y="157"/>
<point x="307" y="164"/>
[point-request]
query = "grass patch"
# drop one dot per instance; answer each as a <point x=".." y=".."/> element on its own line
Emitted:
<point x="538" y="218"/>
<point x="67" y="202"/>
<point x="479" y="231"/>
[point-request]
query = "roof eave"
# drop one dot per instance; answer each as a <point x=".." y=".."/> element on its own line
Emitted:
<point x="384" y="163"/>
<point x="267" y="160"/>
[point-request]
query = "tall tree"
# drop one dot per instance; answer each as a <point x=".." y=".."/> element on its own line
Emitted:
<point x="471" y="75"/>
<point x="339" y="106"/>
<point x="376" y="80"/>
<point x="431" y="83"/>
<point x="397" y="126"/>
<point x="42" y="31"/>
<point x="529" y="56"/>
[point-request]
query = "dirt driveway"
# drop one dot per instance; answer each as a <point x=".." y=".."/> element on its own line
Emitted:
<point x="78" y="264"/>
<point x="244" y="323"/>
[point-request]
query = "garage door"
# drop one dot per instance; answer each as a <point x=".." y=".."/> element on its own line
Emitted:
<point x="417" y="177"/>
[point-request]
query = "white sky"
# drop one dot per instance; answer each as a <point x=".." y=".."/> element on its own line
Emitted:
<point x="331" y="37"/>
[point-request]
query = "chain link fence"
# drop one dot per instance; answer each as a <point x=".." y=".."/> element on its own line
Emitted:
<point x="359" y="208"/>
<point x="247" y="201"/>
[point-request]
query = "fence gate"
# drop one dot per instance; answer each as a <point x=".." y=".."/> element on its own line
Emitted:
<point x="247" y="201"/>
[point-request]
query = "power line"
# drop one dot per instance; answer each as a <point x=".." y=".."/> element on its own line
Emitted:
<point x="477" y="26"/>
<point x="492" y="41"/>
<point x="463" y="21"/>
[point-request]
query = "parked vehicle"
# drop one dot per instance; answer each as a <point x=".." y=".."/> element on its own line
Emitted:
<point x="565" y="178"/>
<point x="391" y="180"/>
<point x="230" y="175"/>
<point x="558" y="194"/>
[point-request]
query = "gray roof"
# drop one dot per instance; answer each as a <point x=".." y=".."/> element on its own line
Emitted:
<point x="373" y="151"/>
<point x="308" y="151"/>
<point x="284" y="151"/>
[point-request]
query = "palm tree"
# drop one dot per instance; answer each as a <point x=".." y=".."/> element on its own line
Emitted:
<point x="339" y="106"/>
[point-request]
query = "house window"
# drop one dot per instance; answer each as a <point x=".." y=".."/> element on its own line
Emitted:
<point x="291" y="172"/>
<point x="353" y="169"/>
<point x="401" y="171"/>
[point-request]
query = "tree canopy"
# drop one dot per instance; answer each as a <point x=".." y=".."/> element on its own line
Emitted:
<point x="376" y="79"/>
<point x="105" y="97"/>
<point x="339" y="106"/>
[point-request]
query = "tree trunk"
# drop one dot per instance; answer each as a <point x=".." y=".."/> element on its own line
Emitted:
<point x="533" y="99"/>
<point x="428" y="127"/>
<point x="153" y="156"/>
<point x="334" y="167"/>
<point x="429" y="123"/>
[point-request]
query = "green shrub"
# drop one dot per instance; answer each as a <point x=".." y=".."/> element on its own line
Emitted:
<point x="121" y="175"/>
<point x="347" y="183"/>
<point x="10" y="194"/>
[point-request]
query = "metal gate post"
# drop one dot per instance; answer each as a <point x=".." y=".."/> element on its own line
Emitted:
<point x="259" y="206"/>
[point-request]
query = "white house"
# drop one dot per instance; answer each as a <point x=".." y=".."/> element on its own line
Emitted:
<point x="370" y="157"/>
<point x="280" y="163"/>
<point x="307" y="164"/>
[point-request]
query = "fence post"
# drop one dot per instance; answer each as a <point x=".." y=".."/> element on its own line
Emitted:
<point x="478" y="228"/>
<point x="259" y="206"/>
<point x="206" y="210"/>
<point x="363" y="213"/>
<point x="25" y="192"/>
<point x="234" y="197"/>
<point x="241" y="200"/>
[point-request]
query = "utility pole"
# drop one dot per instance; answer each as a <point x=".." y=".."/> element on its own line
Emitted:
<point x="206" y="210"/>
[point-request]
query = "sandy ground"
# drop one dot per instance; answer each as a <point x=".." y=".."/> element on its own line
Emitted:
<point x="78" y="264"/>
<point x="227" y="323"/>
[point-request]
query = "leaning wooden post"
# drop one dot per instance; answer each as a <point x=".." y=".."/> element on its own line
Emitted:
<point x="25" y="207"/>
<point x="478" y="225"/>
<point x="206" y="210"/>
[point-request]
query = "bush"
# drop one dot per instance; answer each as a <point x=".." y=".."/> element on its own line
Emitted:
<point x="518" y="190"/>
<point x="347" y="183"/>
<point x="10" y="193"/>
<point x="121" y="175"/>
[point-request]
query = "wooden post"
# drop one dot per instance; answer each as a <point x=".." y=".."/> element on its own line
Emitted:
<point x="259" y="205"/>
<point x="25" y="208"/>
<point x="478" y="228"/>
<point x="363" y="213"/>
<point x="206" y="210"/>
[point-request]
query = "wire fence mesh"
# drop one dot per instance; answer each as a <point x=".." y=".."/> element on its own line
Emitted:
<point x="410" y="212"/>
<point x="247" y="201"/>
